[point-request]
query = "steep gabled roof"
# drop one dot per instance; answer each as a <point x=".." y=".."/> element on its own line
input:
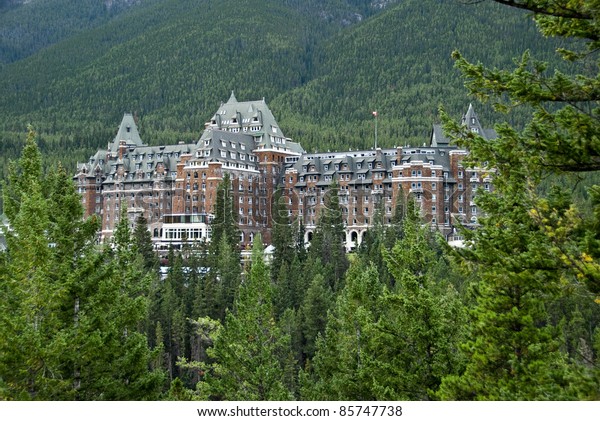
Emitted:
<point x="469" y="119"/>
<point x="128" y="132"/>
<point x="253" y="118"/>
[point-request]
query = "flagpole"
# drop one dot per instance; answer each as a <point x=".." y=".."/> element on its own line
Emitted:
<point x="375" y="114"/>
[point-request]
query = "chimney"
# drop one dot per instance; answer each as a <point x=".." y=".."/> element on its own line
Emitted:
<point x="122" y="148"/>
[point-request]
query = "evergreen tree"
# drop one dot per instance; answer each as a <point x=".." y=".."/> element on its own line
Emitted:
<point x="143" y="242"/>
<point x="225" y="221"/>
<point x="531" y="247"/>
<point x="114" y="361"/>
<point x="341" y="368"/>
<point x="329" y="239"/>
<point x="416" y="339"/>
<point x="70" y="320"/>
<point x="317" y="302"/>
<point x="228" y="277"/>
<point x="251" y="353"/>
<point x="282" y="238"/>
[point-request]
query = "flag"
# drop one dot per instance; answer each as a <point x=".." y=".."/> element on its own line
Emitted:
<point x="375" y="113"/>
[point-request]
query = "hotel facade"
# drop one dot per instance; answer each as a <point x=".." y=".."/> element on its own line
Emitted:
<point x="174" y="186"/>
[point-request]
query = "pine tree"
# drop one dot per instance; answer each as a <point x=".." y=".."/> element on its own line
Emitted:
<point x="225" y="217"/>
<point x="251" y="353"/>
<point x="317" y="302"/>
<point x="530" y="247"/>
<point x="416" y="339"/>
<point x="71" y="316"/>
<point x="228" y="271"/>
<point x="282" y="238"/>
<point x="38" y="279"/>
<point x="143" y="242"/>
<point x="341" y="367"/>
<point x="328" y="241"/>
<point x="114" y="360"/>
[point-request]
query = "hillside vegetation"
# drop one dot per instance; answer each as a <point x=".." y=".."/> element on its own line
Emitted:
<point x="323" y="66"/>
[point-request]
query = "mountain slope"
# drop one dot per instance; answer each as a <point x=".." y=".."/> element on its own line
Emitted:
<point x="323" y="66"/>
<point x="399" y="63"/>
<point x="28" y="26"/>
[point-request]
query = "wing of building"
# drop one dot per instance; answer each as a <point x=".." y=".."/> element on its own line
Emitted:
<point x="174" y="186"/>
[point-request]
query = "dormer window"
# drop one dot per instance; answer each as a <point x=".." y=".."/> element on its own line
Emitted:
<point x="128" y="128"/>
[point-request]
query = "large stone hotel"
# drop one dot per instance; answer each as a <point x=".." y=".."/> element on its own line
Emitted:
<point x="174" y="186"/>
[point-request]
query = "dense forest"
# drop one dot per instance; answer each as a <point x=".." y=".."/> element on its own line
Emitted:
<point x="514" y="315"/>
<point x="323" y="66"/>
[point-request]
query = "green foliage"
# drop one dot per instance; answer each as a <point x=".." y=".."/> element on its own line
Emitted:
<point x="327" y="245"/>
<point x="113" y="64"/>
<point x="71" y="315"/>
<point x="252" y="355"/>
<point x="340" y="368"/>
<point x="532" y="250"/>
<point x="224" y="225"/>
<point x="143" y="243"/>
<point x="391" y="341"/>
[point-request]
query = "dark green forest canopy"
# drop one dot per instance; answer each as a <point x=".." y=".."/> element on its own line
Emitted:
<point x="323" y="66"/>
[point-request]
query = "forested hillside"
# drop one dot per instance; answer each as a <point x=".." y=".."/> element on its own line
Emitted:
<point x="322" y="65"/>
<point x="28" y="26"/>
